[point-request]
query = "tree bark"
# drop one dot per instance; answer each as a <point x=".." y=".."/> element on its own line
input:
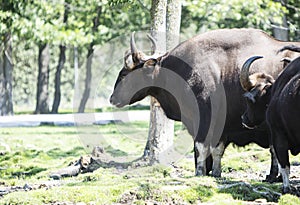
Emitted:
<point x="157" y="117"/>
<point x="6" y="69"/>
<point x="57" y="92"/>
<point x="165" y="29"/>
<point x="60" y="66"/>
<point x="281" y="32"/>
<point x="173" y="23"/>
<point x="42" y="96"/>
<point x="88" y="78"/>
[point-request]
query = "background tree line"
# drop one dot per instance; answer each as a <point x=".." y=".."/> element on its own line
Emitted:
<point x="46" y="45"/>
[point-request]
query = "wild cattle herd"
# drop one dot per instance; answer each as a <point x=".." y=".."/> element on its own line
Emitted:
<point x="276" y="102"/>
<point x="210" y="101"/>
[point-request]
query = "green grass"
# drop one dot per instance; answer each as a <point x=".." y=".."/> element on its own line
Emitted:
<point x="37" y="151"/>
<point x="88" y="110"/>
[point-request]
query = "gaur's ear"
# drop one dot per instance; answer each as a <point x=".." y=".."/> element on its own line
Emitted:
<point x="136" y="58"/>
<point x="150" y="63"/>
<point x="268" y="78"/>
<point x="286" y="60"/>
<point x="250" y="96"/>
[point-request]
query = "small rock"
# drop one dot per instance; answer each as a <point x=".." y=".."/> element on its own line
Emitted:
<point x="261" y="201"/>
<point x="27" y="187"/>
<point x="42" y="186"/>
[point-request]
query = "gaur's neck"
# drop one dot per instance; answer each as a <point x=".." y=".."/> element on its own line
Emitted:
<point x="167" y="102"/>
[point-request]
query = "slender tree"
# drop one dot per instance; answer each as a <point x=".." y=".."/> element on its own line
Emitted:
<point x="6" y="69"/>
<point x="42" y="95"/>
<point x="88" y="77"/>
<point x="61" y="62"/>
<point x="6" y="64"/>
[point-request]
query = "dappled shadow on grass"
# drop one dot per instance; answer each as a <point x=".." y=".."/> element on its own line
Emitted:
<point x="115" y="152"/>
<point x="160" y="194"/>
<point x="252" y="191"/>
<point x="40" y="154"/>
<point x="28" y="171"/>
<point x="21" y="171"/>
<point x="30" y="162"/>
<point x="58" y="153"/>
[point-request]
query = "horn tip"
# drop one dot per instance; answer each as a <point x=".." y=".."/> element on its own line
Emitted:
<point x="257" y="57"/>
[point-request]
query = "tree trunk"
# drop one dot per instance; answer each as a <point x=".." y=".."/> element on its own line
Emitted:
<point x="165" y="25"/>
<point x="173" y="23"/>
<point x="6" y="68"/>
<point x="57" y="93"/>
<point x="60" y="66"/>
<point x="42" y="96"/>
<point x="88" y="78"/>
<point x="76" y="66"/>
<point x="281" y="32"/>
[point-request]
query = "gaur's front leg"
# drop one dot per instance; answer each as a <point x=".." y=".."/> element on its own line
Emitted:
<point x="201" y="153"/>
<point x="273" y="176"/>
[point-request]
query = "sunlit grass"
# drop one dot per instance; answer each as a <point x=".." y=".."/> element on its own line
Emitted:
<point x="37" y="151"/>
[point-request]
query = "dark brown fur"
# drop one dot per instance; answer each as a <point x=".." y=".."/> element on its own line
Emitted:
<point x="206" y="61"/>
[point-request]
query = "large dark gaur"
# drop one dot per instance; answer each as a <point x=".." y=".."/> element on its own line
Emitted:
<point x="279" y="104"/>
<point x="204" y="62"/>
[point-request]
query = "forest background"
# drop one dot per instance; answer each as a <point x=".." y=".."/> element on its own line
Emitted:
<point x="63" y="55"/>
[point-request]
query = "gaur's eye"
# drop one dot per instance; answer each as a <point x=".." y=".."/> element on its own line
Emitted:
<point x="123" y="73"/>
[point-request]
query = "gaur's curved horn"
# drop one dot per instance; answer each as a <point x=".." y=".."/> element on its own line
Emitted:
<point x="132" y="44"/>
<point x="290" y="47"/>
<point x="134" y="51"/>
<point x="244" y="76"/>
<point x="153" y="41"/>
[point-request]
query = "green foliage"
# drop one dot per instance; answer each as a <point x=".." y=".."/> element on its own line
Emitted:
<point x="34" y="22"/>
<point x="214" y="14"/>
<point x="293" y="17"/>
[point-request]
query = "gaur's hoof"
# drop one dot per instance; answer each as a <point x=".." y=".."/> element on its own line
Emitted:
<point x="273" y="179"/>
<point x="200" y="173"/>
<point x="216" y="173"/>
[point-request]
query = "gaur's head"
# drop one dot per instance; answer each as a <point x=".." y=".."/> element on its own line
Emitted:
<point x="137" y="72"/>
<point x="258" y="91"/>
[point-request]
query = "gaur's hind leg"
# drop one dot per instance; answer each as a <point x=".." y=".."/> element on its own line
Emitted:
<point x="217" y="153"/>
<point x="281" y="150"/>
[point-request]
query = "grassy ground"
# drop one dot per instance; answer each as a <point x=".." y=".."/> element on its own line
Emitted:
<point x="38" y="151"/>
